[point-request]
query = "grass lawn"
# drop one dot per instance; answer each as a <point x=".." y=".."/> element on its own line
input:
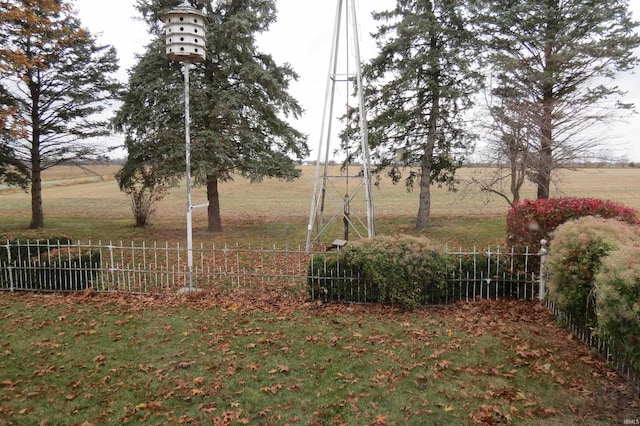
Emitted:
<point x="254" y="359"/>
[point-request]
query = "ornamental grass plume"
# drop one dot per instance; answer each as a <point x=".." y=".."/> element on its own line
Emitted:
<point x="576" y="252"/>
<point x="617" y="294"/>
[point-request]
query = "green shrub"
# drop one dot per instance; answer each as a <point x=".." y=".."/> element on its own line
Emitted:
<point x="47" y="264"/>
<point x="618" y="301"/>
<point x="26" y="247"/>
<point x="404" y="271"/>
<point x="329" y="278"/>
<point x="67" y="270"/>
<point x="576" y="252"/>
<point x="530" y="221"/>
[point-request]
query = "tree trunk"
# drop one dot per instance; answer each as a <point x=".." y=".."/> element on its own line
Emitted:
<point x="515" y="187"/>
<point x="424" y="210"/>
<point x="545" y="156"/>
<point x="213" y="211"/>
<point x="518" y="177"/>
<point x="37" y="214"/>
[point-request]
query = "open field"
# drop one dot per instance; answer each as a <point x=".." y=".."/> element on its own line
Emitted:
<point x="271" y="211"/>
<point x="91" y="172"/>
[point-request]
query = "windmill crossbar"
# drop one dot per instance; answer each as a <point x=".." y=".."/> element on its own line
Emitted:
<point x="347" y="9"/>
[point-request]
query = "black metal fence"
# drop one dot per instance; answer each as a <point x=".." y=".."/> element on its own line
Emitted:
<point x="607" y="349"/>
<point x="488" y="274"/>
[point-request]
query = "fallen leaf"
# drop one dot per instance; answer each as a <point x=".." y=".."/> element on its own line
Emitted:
<point x="380" y="420"/>
<point x="207" y="408"/>
<point x="547" y="412"/>
<point x="154" y="405"/>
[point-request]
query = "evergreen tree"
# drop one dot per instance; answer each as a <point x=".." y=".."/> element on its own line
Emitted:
<point x="12" y="171"/>
<point x="559" y="59"/>
<point x="421" y="84"/>
<point x="239" y="105"/>
<point x="54" y="79"/>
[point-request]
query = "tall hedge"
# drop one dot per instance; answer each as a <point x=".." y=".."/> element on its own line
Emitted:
<point x="530" y="221"/>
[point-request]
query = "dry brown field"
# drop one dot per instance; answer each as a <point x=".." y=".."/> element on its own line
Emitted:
<point x="90" y="205"/>
<point x="93" y="172"/>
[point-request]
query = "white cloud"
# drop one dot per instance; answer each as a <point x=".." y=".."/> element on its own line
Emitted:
<point x="117" y="23"/>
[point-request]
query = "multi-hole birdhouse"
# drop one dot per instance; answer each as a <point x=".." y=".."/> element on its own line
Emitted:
<point x="185" y="29"/>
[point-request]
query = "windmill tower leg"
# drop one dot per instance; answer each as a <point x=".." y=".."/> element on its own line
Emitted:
<point x="326" y="187"/>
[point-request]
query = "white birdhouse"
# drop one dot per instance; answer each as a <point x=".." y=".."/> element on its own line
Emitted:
<point x="185" y="29"/>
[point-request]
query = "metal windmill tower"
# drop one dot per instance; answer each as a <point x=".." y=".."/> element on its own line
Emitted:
<point x="339" y="194"/>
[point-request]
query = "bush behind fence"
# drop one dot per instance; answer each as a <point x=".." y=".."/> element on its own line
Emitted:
<point x="490" y="274"/>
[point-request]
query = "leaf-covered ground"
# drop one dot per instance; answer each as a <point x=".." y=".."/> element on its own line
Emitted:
<point x="209" y="358"/>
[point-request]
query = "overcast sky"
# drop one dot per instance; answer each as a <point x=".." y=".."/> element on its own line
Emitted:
<point x="302" y="37"/>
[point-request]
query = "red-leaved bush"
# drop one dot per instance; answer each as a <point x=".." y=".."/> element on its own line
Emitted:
<point x="530" y="221"/>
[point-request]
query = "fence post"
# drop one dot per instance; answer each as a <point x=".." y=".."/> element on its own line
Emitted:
<point x="543" y="258"/>
<point x="9" y="267"/>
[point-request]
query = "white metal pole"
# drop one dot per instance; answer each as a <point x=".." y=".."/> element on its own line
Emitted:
<point x="317" y="199"/>
<point x="364" y="135"/>
<point x="187" y="144"/>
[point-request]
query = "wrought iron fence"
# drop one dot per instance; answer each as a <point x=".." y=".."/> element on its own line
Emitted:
<point x="607" y="349"/>
<point x="153" y="268"/>
<point x="494" y="274"/>
<point x="488" y="274"/>
<point x="144" y="268"/>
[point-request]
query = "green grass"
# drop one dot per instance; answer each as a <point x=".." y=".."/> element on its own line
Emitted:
<point x="109" y="360"/>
